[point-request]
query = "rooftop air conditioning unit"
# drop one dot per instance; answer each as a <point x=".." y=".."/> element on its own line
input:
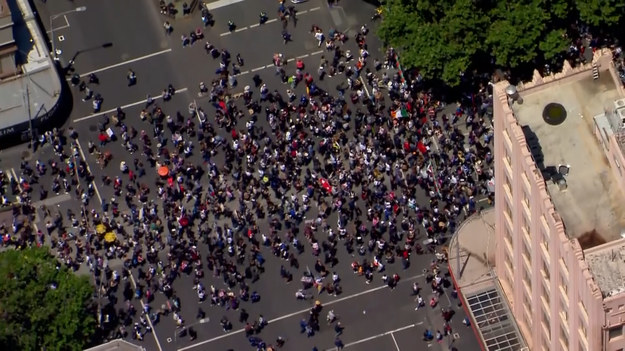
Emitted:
<point x="620" y="103"/>
<point x="621" y="116"/>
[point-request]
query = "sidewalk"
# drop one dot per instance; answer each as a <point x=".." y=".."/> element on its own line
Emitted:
<point x="471" y="260"/>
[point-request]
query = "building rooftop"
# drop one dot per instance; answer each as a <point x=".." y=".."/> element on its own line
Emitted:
<point x="607" y="266"/>
<point x="586" y="199"/>
<point x="29" y="82"/>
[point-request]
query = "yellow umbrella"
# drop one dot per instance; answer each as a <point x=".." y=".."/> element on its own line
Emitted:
<point x="100" y="228"/>
<point x="110" y="237"/>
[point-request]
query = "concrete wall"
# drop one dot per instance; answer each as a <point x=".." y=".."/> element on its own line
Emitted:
<point x="613" y="306"/>
<point x="551" y="291"/>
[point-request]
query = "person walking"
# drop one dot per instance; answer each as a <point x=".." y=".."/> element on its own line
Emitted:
<point x="286" y="37"/>
<point x="131" y="77"/>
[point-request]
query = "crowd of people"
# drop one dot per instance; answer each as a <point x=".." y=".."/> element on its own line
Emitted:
<point x="373" y="168"/>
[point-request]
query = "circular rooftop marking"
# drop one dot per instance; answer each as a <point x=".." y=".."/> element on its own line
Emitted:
<point x="554" y="114"/>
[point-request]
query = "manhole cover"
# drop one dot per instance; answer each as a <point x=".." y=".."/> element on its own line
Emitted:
<point x="554" y="114"/>
<point x="93" y="128"/>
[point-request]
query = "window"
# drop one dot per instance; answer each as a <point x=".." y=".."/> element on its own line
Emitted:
<point x="584" y="312"/>
<point x="546" y="240"/>
<point x="545" y="270"/>
<point x="527" y="280"/>
<point x="564" y="336"/>
<point x="615" y="332"/>
<point x="545" y="320"/>
<point x="564" y="270"/>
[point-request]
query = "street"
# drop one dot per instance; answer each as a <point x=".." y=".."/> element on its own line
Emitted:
<point x="374" y="316"/>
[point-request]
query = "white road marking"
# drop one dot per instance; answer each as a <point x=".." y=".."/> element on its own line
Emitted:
<point x="95" y="186"/>
<point x="329" y="303"/>
<point x="288" y="60"/>
<point x="158" y="343"/>
<point x="390" y="332"/>
<point x="266" y="22"/>
<point x="17" y="179"/>
<point x="125" y="62"/>
<point x="93" y="115"/>
<point x="395" y="342"/>
<point x="364" y="85"/>
<point x="221" y="3"/>
<point x="66" y="25"/>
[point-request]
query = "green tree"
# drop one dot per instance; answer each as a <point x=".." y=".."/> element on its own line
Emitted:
<point x="42" y="306"/>
<point x="440" y="38"/>
<point x="601" y="13"/>
<point x="444" y="38"/>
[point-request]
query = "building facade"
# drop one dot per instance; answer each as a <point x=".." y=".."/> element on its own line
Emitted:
<point x="560" y="206"/>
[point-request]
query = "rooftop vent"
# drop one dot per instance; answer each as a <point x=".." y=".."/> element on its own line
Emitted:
<point x="559" y="180"/>
<point x="554" y="114"/>
<point x="513" y="94"/>
<point x="620" y="114"/>
<point x="564" y="170"/>
<point x="562" y="184"/>
<point x="620" y="103"/>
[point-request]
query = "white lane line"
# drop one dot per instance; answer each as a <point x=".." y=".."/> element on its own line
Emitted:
<point x="364" y="85"/>
<point x="302" y="56"/>
<point x="153" y="332"/>
<point x="301" y="12"/>
<point x="395" y="342"/>
<point x="224" y="34"/>
<point x="17" y="180"/>
<point x="258" y="68"/>
<point x="220" y="3"/>
<point x="329" y="303"/>
<point x="57" y="29"/>
<point x="314" y="9"/>
<point x="272" y="20"/>
<point x="66" y="25"/>
<point x="144" y="57"/>
<point x="316" y="53"/>
<point x="242" y="73"/>
<point x="93" y="115"/>
<point x="95" y="186"/>
<point x="254" y="25"/>
<point x="390" y="332"/>
<point x="240" y="29"/>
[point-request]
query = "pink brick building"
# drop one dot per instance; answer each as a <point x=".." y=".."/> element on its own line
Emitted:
<point x="560" y="206"/>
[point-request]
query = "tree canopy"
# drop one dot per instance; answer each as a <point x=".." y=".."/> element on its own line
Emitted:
<point x="43" y="306"/>
<point x="444" y="39"/>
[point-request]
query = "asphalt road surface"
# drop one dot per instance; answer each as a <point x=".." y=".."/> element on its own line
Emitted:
<point x="374" y="317"/>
